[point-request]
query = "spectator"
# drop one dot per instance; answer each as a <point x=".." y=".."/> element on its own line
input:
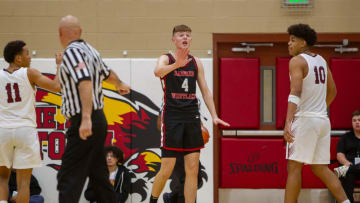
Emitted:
<point x="35" y="189"/>
<point x="348" y="155"/>
<point x="119" y="176"/>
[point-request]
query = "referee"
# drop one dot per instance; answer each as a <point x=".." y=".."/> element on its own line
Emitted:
<point x="81" y="75"/>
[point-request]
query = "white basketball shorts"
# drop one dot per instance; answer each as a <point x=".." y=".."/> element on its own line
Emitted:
<point x="19" y="148"/>
<point x="312" y="140"/>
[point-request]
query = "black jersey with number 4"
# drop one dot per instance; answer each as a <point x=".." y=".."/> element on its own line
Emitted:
<point x="180" y="87"/>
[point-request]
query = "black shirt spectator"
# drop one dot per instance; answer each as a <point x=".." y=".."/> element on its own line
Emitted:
<point x="349" y="145"/>
<point x="119" y="176"/>
<point x="348" y="150"/>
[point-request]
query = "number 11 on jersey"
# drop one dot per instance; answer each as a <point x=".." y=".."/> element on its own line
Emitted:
<point x="9" y="93"/>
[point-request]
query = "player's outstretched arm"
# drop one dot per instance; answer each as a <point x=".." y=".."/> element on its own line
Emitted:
<point x="120" y="86"/>
<point x="296" y="69"/>
<point x="207" y="96"/>
<point x="36" y="78"/>
<point x="331" y="90"/>
<point x="163" y="68"/>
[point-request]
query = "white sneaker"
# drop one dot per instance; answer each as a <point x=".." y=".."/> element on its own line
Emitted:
<point x="341" y="171"/>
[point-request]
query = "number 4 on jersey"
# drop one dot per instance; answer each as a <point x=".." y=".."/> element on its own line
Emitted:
<point x="185" y="85"/>
<point x="17" y="93"/>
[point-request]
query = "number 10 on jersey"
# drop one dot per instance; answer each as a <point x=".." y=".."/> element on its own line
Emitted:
<point x="319" y="72"/>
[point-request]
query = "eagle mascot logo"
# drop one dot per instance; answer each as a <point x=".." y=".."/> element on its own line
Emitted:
<point x="132" y="126"/>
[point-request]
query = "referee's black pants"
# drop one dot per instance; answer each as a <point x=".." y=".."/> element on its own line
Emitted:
<point x="85" y="158"/>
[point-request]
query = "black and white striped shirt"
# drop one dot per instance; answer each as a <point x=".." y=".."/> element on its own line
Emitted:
<point x="81" y="62"/>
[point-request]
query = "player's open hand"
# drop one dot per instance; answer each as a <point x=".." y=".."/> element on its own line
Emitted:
<point x="181" y="56"/>
<point x="288" y="135"/>
<point x="218" y="121"/>
<point x="85" y="129"/>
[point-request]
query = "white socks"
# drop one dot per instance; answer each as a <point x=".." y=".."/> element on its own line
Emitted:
<point x="346" y="201"/>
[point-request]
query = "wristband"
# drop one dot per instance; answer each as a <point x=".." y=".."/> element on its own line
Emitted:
<point x="294" y="99"/>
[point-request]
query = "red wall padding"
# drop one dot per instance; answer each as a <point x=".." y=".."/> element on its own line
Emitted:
<point x="346" y="74"/>
<point x="261" y="163"/>
<point x="252" y="163"/>
<point x="282" y="90"/>
<point x="240" y="92"/>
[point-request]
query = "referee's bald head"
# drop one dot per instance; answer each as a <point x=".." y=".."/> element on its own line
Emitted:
<point x="69" y="29"/>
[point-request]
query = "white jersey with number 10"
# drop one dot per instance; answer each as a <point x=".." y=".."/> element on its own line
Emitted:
<point x="313" y="94"/>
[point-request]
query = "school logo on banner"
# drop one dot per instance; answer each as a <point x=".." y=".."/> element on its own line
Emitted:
<point x="131" y="126"/>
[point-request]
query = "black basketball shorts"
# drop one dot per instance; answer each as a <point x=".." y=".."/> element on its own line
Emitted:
<point x="181" y="132"/>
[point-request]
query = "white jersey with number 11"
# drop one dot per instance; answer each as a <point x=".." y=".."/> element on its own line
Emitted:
<point x="17" y="100"/>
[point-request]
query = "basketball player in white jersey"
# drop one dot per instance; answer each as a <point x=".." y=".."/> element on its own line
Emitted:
<point x="19" y="144"/>
<point x="307" y="127"/>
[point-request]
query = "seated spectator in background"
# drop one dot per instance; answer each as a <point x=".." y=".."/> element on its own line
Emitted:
<point x="348" y="155"/>
<point x="119" y="176"/>
<point x="35" y="189"/>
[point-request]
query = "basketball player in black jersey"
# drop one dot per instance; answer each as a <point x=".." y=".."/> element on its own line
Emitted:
<point x="180" y="127"/>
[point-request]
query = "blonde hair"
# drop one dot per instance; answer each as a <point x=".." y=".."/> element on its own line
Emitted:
<point x="181" y="28"/>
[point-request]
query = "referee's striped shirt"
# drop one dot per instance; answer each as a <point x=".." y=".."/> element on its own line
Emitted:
<point x="81" y="62"/>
